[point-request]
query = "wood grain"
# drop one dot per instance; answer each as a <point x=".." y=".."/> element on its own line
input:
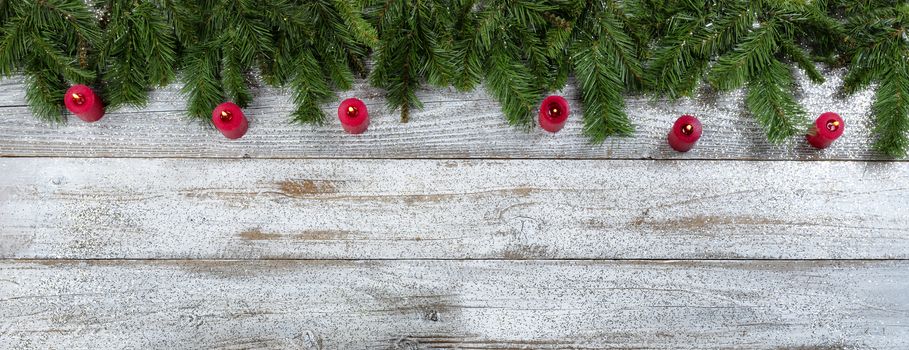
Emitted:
<point x="454" y="305"/>
<point x="451" y="209"/>
<point x="452" y="125"/>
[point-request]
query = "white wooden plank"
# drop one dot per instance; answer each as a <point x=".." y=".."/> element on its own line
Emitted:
<point x="452" y="125"/>
<point x="454" y="305"/>
<point x="451" y="209"/>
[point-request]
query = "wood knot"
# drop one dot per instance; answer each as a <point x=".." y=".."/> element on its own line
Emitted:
<point x="432" y="315"/>
<point x="406" y="344"/>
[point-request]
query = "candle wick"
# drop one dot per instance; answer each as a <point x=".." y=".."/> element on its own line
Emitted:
<point x="226" y="116"/>
<point x="688" y="129"/>
<point x="351" y="111"/>
<point x="833" y="125"/>
<point x="78" y="98"/>
<point x="554" y="111"/>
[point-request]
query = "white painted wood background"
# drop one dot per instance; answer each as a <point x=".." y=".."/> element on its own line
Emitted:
<point x="454" y="231"/>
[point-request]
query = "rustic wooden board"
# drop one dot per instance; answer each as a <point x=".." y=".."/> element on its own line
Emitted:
<point x="464" y="209"/>
<point x="452" y="125"/>
<point x="454" y="305"/>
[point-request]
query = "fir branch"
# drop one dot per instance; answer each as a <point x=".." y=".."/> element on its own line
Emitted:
<point x="678" y="64"/>
<point x="233" y="74"/>
<point x="139" y="51"/>
<point x="803" y="60"/>
<point x="747" y="60"/>
<point x="512" y="84"/>
<point x="309" y="89"/>
<point x="351" y="20"/>
<point x="45" y="40"/>
<point x="891" y="110"/>
<point x="44" y="91"/>
<point x="179" y="15"/>
<point x="414" y="45"/>
<point x="231" y="37"/>
<point x="621" y="44"/>
<point x="878" y="44"/>
<point x="511" y="48"/>
<point x="202" y="84"/>
<point x="769" y="98"/>
<point x="474" y="32"/>
<point x="315" y="56"/>
<point x="605" y="61"/>
<point x="729" y="23"/>
<point x="601" y="92"/>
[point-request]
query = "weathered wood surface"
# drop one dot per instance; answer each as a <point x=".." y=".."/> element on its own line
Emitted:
<point x="452" y="209"/>
<point x="454" y="305"/>
<point x="452" y="125"/>
<point x="138" y="252"/>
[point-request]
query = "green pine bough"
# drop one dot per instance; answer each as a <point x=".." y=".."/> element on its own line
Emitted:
<point x="49" y="43"/>
<point x="876" y="44"/>
<point x="518" y="50"/>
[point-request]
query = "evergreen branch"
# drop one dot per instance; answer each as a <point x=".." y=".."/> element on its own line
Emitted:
<point x="178" y="15"/>
<point x="13" y="46"/>
<point x="734" y="20"/>
<point x="337" y="70"/>
<point x="44" y="93"/>
<point x="622" y="47"/>
<point x="139" y="52"/>
<point x="891" y="110"/>
<point x="511" y="37"/>
<point x="511" y="83"/>
<point x="233" y="77"/>
<point x="71" y="17"/>
<point x="878" y="46"/>
<point x="802" y="59"/>
<point x="749" y="59"/>
<point x="859" y="77"/>
<point x="46" y="40"/>
<point x="770" y="100"/>
<point x="361" y="30"/>
<point x="161" y="55"/>
<point x="677" y="65"/>
<point x="475" y="34"/>
<point x="309" y="89"/>
<point x="202" y="83"/>
<point x="56" y="60"/>
<point x="558" y="38"/>
<point x="601" y="92"/>
<point x="414" y="45"/>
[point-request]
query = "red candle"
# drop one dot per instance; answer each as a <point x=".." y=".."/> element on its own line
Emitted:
<point x="82" y="101"/>
<point x="685" y="133"/>
<point x="229" y="119"/>
<point x="553" y="113"/>
<point x="353" y="115"/>
<point x="827" y="128"/>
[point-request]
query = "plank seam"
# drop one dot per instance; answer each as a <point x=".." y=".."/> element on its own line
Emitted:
<point x="243" y="157"/>
<point x="26" y="260"/>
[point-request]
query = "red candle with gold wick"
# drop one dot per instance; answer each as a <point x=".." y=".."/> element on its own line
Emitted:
<point x="353" y="115"/>
<point x="229" y="119"/>
<point x="827" y="128"/>
<point x="82" y="101"/>
<point x="685" y="133"/>
<point x="553" y="113"/>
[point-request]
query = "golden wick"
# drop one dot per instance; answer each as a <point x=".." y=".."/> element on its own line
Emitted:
<point x="687" y="129"/>
<point x="225" y="116"/>
<point x="78" y="98"/>
<point x="351" y="111"/>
